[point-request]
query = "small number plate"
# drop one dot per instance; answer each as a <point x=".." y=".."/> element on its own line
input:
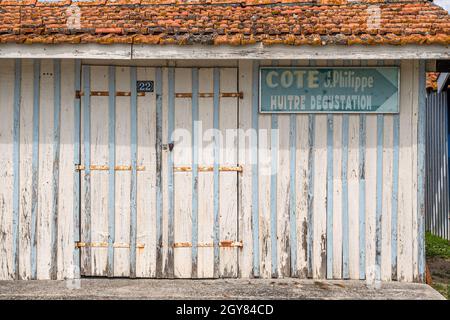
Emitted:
<point x="145" y="86"/>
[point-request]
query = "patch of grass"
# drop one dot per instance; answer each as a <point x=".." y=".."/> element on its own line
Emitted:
<point x="442" y="288"/>
<point x="437" y="247"/>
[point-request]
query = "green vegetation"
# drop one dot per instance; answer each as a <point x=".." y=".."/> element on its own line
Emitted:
<point x="438" y="260"/>
<point x="437" y="247"/>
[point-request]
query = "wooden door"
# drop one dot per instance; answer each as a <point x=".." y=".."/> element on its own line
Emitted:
<point x="158" y="189"/>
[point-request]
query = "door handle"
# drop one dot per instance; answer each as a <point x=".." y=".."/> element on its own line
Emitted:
<point x="168" y="146"/>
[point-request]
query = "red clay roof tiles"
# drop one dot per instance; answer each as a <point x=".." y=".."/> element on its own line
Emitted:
<point x="218" y="22"/>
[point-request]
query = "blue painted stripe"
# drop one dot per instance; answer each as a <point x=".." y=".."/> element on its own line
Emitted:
<point x="395" y="155"/>
<point x="379" y="195"/>
<point x="16" y="169"/>
<point x="310" y="231"/>
<point x="379" y="200"/>
<point x="395" y="196"/>
<point x="216" y="105"/>
<point x="329" y="196"/>
<point x="56" y="151"/>
<point x="112" y="171"/>
<point x="345" y="196"/>
<point x="76" y="174"/>
<point x="87" y="163"/>
<point x="255" y="169"/>
<point x="273" y="194"/>
<point x="35" y="166"/>
<point x="133" y="201"/>
<point x="421" y="171"/>
<point x="195" y="137"/>
<point x="159" y="179"/>
<point x="362" y="192"/>
<point x="170" y="206"/>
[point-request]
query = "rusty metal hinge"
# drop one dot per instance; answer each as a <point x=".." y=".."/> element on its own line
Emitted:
<point x="239" y="95"/>
<point x="222" y="244"/>
<point x="209" y="169"/>
<point x="80" y="244"/>
<point x="80" y="167"/>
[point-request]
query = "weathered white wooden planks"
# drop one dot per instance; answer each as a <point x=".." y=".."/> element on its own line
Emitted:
<point x="26" y="142"/>
<point x="235" y="191"/>
<point x="45" y="170"/>
<point x="228" y="183"/>
<point x="405" y="195"/>
<point x="386" y="215"/>
<point x="6" y="169"/>
<point x="123" y="178"/>
<point x="183" y="180"/>
<point x="337" y="196"/>
<point x="246" y="187"/>
<point x="166" y="139"/>
<point x="99" y="179"/>
<point x="353" y="195"/>
<point x="206" y="179"/>
<point x="66" y="198"/>
<point x="146" y="180"/>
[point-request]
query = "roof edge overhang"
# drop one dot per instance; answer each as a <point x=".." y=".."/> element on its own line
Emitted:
<point x="208" y="52"/>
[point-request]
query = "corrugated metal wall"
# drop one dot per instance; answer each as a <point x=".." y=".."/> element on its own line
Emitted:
<point x="437" y="178"/>
<point x="333" y="196"/>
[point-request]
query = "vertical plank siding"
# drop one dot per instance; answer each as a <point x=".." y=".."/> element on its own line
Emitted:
<point x="436" y="162"/>
<point x="320" y="196"/>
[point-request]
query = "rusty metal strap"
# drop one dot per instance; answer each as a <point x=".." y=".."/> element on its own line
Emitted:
<point x="223" y="244"/>
<point x="207" y="168"/>
<point x="105" y="245"/>
<point x="79" y="94"/>
<point x="239" y="95"/>
<point x="106" y="168"/>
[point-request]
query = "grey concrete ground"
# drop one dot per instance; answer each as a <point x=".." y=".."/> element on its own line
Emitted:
<point x="211" y="289"/>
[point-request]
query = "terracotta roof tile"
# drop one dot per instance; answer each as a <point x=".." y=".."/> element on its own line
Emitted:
<point x="234" y="22"/>
<point x="432" y="80"/>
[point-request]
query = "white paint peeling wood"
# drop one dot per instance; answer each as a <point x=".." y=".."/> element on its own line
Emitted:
<point x="353" y="195"/>
<point x="302" y="174"/>
<point x="183" y="180"/>
<point x="123" y="178"/>
<point x="26" y="143"/>
<point x="337" y="196"/>
<point x="386" y="215"/>
<point x="283" y="194"/>
<point x="245" y="178"/>
<point x="234" y="261"/>
<point x="164" y="173"/>
<point x="6" y="169"/>
<point x="320" y="197"/>
<point x="264" y="168"/>
<point x="257" y="51"/>
<point x="302" y="187"/>
<point x="146" y="180"/>
<point x="228" y="197"/>
<point x="206" y="179"/>
<point x="45" y="195"/>
<point x="65" y="203"/>
<point x="99" y="178"/>
<point x="371" y="173"/>
<point x="264" y="159"/>
<point x="405" y="262"/>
